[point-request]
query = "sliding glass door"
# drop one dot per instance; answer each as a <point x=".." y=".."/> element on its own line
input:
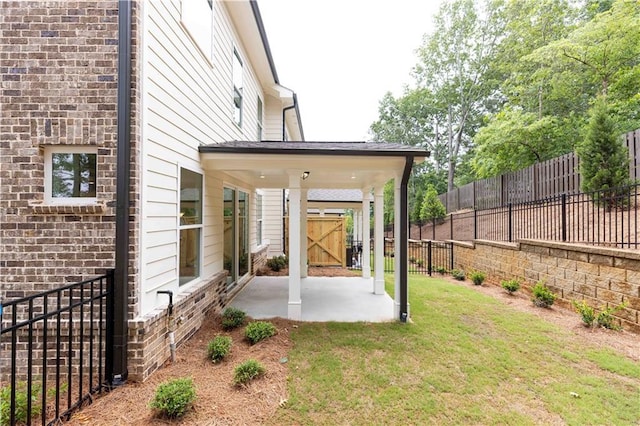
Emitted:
<point x="236" y="235"/>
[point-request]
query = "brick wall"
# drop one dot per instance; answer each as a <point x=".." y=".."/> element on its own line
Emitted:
<point x="59" y="67"/>
<point x="601" y="276"/>
<point x="149" y="336"/>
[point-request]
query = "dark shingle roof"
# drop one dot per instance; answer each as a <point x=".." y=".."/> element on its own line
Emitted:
<point x="316" y="148"/>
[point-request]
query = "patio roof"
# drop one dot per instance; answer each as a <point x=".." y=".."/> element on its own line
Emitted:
<point x="347" y="165"/>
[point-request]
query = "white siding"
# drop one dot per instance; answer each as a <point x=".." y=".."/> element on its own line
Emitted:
<point x="187" y="101"/>
<point x="272" y="221"/>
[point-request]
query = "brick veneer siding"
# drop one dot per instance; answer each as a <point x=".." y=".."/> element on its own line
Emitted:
<point x="149" y="336"/>
<point x="601" y="276"/>
<point x="259" y="258"/>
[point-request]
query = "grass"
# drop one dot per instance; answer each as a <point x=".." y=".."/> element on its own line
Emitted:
<point x="466" y="359"/>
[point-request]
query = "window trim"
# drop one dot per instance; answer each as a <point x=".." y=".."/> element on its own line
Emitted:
<point x="189" y="29"/>
<point x="237" y="91"/>
<point x="49" y="150"/>
<point x="260" y="114"/>
<point x="181" y="227"/>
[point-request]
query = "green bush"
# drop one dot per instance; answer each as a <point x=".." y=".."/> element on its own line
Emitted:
<point x="247" y="371"/>
<point x="259" y="330"/>
<point x="542" y="296"/>
<point x="218" y="348"/>
<point x="587" y="312"/>
<point x="510" y="285"/>
<point x="232" y="318"/>
<point x="420" y="263"/>
<point x="22" y="399"/>
<point x="277" y="263"/>
<point x="440" y="269"/>
<point x="605" y="318"/>
<point x="174" y="397"/>
<point x="458" y="274"/>
<point x="477" y="277"/>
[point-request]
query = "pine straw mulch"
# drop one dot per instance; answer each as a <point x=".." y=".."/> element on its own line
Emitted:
<point x="218" y="401"/>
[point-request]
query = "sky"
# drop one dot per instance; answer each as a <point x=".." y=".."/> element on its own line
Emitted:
<point x="342" y="56"/>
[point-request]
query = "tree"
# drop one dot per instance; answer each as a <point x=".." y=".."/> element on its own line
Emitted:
<point x="432" y="207"/>
<point x="455" y="68"/>
<point x="604" y="162"/>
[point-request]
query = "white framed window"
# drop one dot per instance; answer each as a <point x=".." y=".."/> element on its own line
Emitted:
<point x="237" y="88"/>
<point x="259" y="218"/>
<point x="190" y="218"/>
<point x="259" y="127"/>
<point x="196" y="17"/>
<point x="70" y="174"/>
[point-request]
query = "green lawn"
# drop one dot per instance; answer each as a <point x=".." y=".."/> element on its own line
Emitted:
<point x="465" y="359"/>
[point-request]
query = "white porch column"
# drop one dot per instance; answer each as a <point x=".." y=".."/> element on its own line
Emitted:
<point x="304" y="241"/>
<point x="366" y="239"/>
<point x="294" y="311"/>
<point x="378" y="239"/>
<point x="396" y="246"/>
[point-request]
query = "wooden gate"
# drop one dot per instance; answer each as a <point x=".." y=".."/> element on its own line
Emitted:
<point x="325" y="240"/>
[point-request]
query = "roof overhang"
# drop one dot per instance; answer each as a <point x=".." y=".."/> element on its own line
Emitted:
<point x="348" y="165"/>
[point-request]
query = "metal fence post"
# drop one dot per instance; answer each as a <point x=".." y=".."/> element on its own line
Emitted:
<point x="430" y="267"/>
<point x="510" y="225"/>
<point x="564" y="217"/>
<point x="475" y="223"/>
<point x="451" y="226"/>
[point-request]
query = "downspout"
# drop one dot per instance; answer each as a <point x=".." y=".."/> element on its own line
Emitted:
<point x="121" y="278"/>
<point x="403" y="239"/>
<point x="284" y="135"/>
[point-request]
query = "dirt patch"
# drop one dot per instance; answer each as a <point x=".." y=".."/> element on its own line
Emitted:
<point x="221" y="403"/>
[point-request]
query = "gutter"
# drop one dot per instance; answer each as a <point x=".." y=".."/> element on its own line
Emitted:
<point x="403" y="239"/>
<point x="119" y="370"/>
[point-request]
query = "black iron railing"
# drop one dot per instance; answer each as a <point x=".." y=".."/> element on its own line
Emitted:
<point x="605" y="218"/>
<point x="54" y="350"/>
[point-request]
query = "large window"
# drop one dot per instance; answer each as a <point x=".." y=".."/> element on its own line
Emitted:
<point x="190" y="225"/>
<point x="237" y="88"/>
<point x="259" y="129"/>
<point x="197" y="18"/>
<point x="70" y="174"/>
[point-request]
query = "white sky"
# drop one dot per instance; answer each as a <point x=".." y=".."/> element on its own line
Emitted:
<point x="342" y="56"/>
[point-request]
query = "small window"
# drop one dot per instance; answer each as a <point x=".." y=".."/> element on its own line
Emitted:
<point x="259" y="129"/>
<point x="190" y="225"/>
<point x="259" y="216"/>
<point x="70" y="174"/>
<point x="237" y="88"/>
<point x="197" y="19"/>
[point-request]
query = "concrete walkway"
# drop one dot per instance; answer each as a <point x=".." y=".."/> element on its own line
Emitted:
<point x="343" y="299"/>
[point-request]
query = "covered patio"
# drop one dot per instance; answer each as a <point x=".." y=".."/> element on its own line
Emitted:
<point x="344" y="299"/>
<point x="301" y="166"/>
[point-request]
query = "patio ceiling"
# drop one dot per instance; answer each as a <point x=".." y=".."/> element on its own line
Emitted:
<point x="349" y="165"/>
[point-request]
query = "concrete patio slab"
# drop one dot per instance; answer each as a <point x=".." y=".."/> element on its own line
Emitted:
<point x="342" y="299"/>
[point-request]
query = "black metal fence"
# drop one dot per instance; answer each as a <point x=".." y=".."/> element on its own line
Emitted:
<point x="605" y="218"/>
<point x="55" y="350"/>
<point x="424" y="257"/>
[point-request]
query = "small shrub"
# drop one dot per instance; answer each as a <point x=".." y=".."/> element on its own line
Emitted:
<point x="174" y="397"/>
<point x="277" y="263"/>
<point x="247" y="371"/>
<point x="420" y="263"/>
<point x="587" y="312"/>
<point x="232" y="318"/>
<point x="22" y="399"/>
<point x="477" y="277"/>
<point x="458" y="274"/>
<point x="412" y="259"/>
<point x="218" y="348"/>
<point x="510" y="285"/>
<point x="542" y="296"/>
<point x="605" y="318"/>
<point x="259" y="330"/>
<point x="440" y="269"/>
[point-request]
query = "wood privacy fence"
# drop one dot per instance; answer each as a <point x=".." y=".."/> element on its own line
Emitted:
<point x="326" y="239"/>
<point x="544" y="180"/>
